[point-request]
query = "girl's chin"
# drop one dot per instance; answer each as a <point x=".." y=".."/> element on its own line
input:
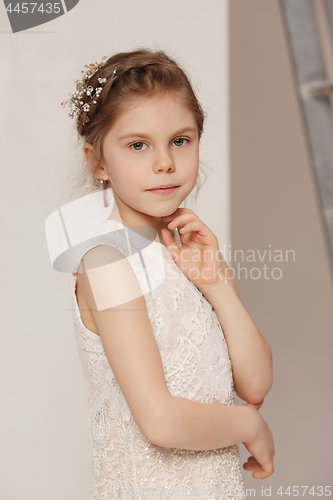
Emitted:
<point x="164" y="213"/>
<point x="157" y="210"/>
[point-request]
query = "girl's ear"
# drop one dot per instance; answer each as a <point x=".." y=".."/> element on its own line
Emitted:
<point x="96" y="168"/>
<point x="89" y="153"/>
<point x="87" y="147"/>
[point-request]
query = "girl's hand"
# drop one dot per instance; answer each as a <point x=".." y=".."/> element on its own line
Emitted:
<point x="263" y="469"/>
<point x="199" y="258"/>
<point x="252" y="466"/>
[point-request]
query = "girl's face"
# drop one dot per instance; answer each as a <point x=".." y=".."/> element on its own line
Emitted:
<point x="154" y="142"/>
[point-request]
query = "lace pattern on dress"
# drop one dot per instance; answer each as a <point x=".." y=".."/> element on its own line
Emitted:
<point x="196" y="365"/>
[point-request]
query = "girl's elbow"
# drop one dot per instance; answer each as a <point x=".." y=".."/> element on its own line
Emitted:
<point x="157" y="426"/>
<point x="262" y="389"/>
<point x="256" y="392"/>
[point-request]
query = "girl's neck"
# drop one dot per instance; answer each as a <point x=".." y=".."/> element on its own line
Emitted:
<point x="138" y="219"/>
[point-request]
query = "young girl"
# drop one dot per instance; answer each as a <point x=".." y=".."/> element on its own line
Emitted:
<point x="151" y="294"/>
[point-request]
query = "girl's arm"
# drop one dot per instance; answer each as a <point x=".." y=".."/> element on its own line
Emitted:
<point x="250" y="354"/>
<point x="135" y="360"/>
<point x="200" y="260"/>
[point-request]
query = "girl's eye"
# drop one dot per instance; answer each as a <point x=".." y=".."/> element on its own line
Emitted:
<point x="137" y="146"/>
<point x="180" y="141"/>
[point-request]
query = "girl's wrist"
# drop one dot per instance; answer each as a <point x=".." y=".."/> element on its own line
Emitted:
<point x="217" y="291"/>
<point x="216" y="286"/>
<point x="253" y="424"/>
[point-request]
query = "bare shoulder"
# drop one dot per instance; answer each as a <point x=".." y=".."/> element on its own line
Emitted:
<point x="105" y="273"/>
<point x="99" y="256"/>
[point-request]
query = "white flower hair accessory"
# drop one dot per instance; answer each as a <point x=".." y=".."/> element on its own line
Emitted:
<point x="76" y="102"/>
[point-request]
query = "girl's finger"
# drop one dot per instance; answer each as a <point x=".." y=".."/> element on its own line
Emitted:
<point x="257" y="471"/>
<point x="262" y="474"/>
<point x="193" y="226"/>
<point x="252" y="466"/>
<point x="182" y="219"/>
<point x="170" y="243"/>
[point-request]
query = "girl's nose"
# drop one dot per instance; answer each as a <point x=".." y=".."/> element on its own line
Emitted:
<point x="163" y="161"/>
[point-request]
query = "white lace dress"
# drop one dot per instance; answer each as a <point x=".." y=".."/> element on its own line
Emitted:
<point x="196" y="366"/>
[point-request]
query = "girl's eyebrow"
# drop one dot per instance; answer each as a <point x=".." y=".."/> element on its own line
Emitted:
<point x="146" y="136"/>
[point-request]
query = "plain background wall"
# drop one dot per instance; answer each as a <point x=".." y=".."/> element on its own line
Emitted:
<point x="45" y="449"/>
<point x="275" y="205"/>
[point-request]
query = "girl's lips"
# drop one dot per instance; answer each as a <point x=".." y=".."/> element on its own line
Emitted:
<point x="163" y="191"/>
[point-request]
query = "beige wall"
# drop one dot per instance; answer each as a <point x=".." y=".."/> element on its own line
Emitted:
<point x="274" y="202"/>
<point x="44" y="433"/>
<point x="45" y="450"/>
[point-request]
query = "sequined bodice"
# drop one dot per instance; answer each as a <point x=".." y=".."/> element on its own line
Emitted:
<point x="196" y="365"/>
